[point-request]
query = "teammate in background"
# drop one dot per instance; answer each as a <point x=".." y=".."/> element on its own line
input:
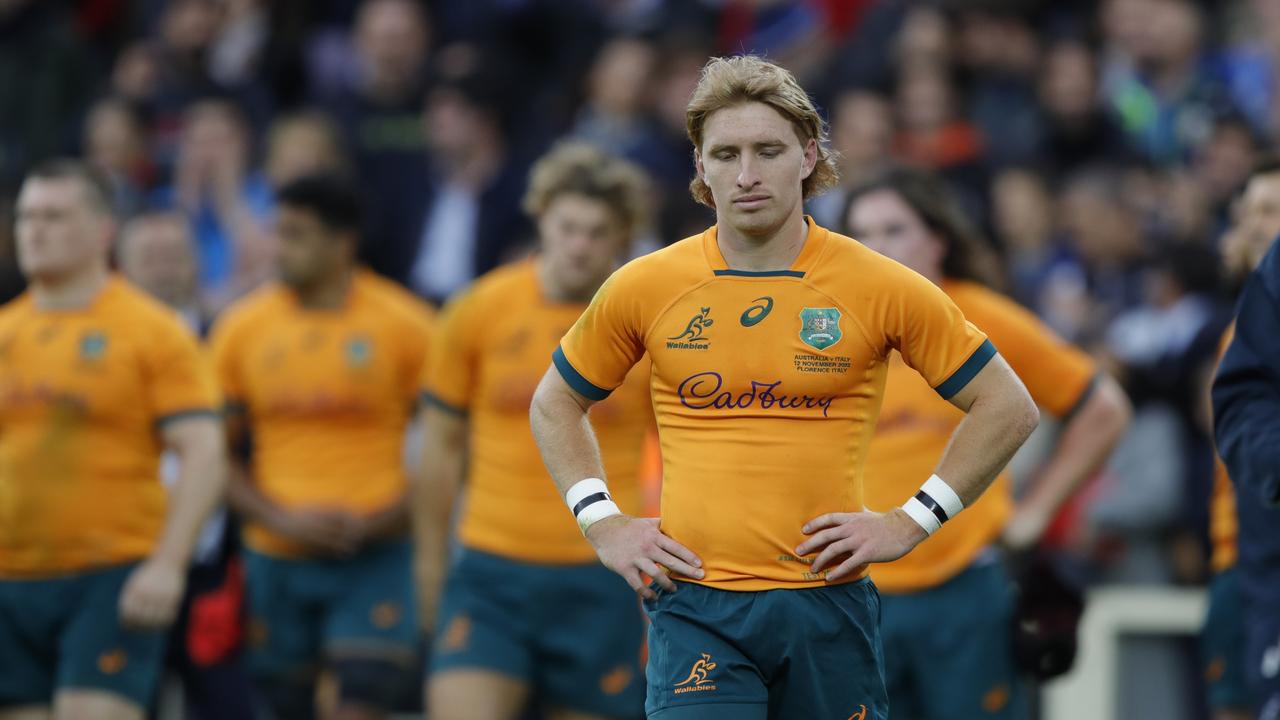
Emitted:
<point x="157" y="253"/>
<point x="526" y="610"/>
<point x="1223" y="638"/>
<point x="321" y="373"/>
<point x="948" y="611"/>
<point x="770" y="338"/>
<point x="96" y="379"/>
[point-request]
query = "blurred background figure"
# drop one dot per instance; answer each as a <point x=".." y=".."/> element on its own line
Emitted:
<point x="948" y="614"/>
<point x="320" y="373"/>
<point x="157" y="253"/>
<point x="227" y="202"/>
<point x="115" y="141"/>
<point x="1240" y="634"/>
<point x="525" y="586"/>
<point x="1255" y="225"/>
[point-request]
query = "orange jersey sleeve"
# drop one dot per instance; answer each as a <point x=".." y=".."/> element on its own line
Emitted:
<point x="449" y="376"/>
<point x="608" y="340"/>
<point x="934" y="337"/>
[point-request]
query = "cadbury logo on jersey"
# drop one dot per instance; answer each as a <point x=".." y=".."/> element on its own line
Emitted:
<point x="705" y="390"/>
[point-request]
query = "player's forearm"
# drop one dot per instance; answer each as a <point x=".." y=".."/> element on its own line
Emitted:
<point x="564" y="435"/>
<point x="995" y="426"/>
<point x="246" y="499"/>
<point x="443" y="468"/>
<point x="201" y="487"/>
<point x="1085" y="443"/>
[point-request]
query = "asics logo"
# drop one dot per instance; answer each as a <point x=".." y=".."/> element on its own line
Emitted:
<point x="757" y="312"/>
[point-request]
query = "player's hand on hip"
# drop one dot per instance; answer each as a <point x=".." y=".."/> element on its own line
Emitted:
<point x="152" y="594"/>
<point x="634" y="546"/>
<point x="848" y="541"/>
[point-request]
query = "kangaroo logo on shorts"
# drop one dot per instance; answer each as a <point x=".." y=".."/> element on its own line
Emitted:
<point x="699" y="676"/>
<point x="861" y="714"/>
<point x="457" y="634"/>
<point x="112" y="662"/>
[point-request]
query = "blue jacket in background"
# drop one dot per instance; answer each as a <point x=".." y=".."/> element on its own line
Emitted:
<point x="1246" y="411"/>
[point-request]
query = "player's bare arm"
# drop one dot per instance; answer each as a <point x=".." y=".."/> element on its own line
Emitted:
<point x="626" y="545"/>
<point x="444" y="454"/>
<point x="1086" y="441"/>
<point x="151" y="597"/>
<point x="1000" y="415"/>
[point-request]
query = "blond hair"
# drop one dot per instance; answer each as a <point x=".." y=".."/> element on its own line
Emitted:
<point x="730" y="81"/>
<point x="583" y="169"/>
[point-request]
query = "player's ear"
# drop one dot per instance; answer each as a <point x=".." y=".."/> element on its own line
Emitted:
<point x="810" y="157"/>
<point x="697" y="164"/>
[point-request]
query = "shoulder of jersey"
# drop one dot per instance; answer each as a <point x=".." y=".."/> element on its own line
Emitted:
<point x="15" y="308"/>
<point x="142" y="308"/>
<point x="677" y="265"/>
<point x="256" y="305"/>
<point x="395" y="299"/>
<point x="982" y="305"/>
<point x="502" y="284"/>
<point x="846" y="259"/>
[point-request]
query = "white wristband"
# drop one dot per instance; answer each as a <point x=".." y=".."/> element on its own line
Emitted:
<point x="922" y="515"/>
<point x="590" y="502"/>
<point x="935" y="504"/>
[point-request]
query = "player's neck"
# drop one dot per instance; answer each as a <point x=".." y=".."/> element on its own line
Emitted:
<point x="328" y="294"/>
<point x="776" y="250"/>
<point x="73" y="291"/>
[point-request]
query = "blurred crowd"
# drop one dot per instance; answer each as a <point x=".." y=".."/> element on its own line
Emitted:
<point x="1099" y="144"/>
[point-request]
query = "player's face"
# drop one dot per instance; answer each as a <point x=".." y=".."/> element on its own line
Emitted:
<point x="1258" y="221"/>
<point x="754" y="163"/>
<point x="884" y="222"/>
<point x="309" y="252"/>
<point x="582" y="240"/>
<point x="59" y="231"/>
<point x="159" y="257"/>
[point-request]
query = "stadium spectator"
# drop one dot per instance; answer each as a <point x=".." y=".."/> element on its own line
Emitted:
<point x="375" y="97"/>
<point x="303" y="144"/>
<point x="467" y="218"/>
<point x="225" y="199"/>
<point x="46" y="83"/>
<point x="115" y="142"/>
<point x="862" y="134"/>
<point x="1076" y="132"/>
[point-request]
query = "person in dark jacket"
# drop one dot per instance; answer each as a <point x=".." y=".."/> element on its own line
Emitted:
<point x="1246" y="407"/>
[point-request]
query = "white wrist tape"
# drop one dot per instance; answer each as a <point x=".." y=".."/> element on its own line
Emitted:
<point x="590" y="502"/>
<point x="935" y="504"/>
